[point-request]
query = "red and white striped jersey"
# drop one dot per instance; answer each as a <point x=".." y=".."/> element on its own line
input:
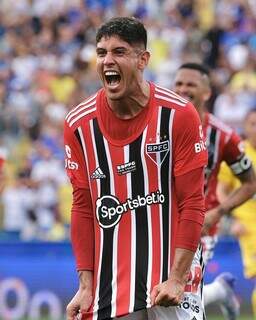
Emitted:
<point x="132" y="188"/>
<point x="223" y="144"/>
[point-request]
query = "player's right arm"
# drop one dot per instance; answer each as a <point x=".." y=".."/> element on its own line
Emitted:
<point x="82" y="228"/>
<point x="226" y="182"/>
<point x="242" y="168"/>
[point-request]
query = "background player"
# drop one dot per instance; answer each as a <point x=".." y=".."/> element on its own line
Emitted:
<point x="244" y="217"/>
<point x="193" y="83"/>
<point x="137" y="176"/>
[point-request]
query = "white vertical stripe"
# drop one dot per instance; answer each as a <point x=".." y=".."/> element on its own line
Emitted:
<point x="216" y="151"/>
<point x="146" y="188"/>
<point x="170" y="189"/>
<point x="133" y="234"/>
<point x="85" y="153"/>
<point x="115" y="236"/>
<point x="208" y="131"/>
<point x="96" y="298"/>
<point x="158" y="160"/>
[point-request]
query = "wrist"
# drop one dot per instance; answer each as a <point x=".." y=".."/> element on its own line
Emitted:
<point x="222" y="211"/>
<point x="179" y="278"/>
<point x="85" y="279"/>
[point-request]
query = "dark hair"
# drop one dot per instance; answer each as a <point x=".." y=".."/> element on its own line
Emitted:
<point x="131" y="30"/>
<point x="203" y="69"/>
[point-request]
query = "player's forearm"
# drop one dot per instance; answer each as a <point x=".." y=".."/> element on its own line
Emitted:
<point x="237" y="197"/>
<point x="181" y="265"/>
<point x="82" y="230"/>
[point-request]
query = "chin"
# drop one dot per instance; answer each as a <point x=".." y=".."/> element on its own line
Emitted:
<point x="114" y="95"/>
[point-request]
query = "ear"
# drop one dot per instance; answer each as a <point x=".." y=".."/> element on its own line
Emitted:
<point x="207" y="94"/>
<point x="143" y="60"/>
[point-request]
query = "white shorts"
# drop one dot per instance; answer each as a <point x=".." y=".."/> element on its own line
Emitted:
<point x="191" y="307"/>
<point x="208" y="243"/>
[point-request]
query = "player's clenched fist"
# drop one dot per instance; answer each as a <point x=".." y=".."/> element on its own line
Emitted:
<point x="80" y="303"/>
<point x="168" y="293"/>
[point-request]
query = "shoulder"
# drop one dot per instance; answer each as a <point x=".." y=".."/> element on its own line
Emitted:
<point x="169" y="99"/>
<point x="84" y="110"/>
<point x="219" y="125"/>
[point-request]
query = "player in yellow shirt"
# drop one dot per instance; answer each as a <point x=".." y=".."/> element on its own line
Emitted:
<point x="244" y="225"/>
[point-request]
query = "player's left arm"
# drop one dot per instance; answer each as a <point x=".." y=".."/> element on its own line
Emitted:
<point x="190" y="194"/>
<point x="189" y="159"/>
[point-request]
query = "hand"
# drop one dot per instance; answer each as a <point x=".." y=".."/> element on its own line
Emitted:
<point x="211" y="218"/>
<point x="237" y="229"/>
<point x="80" y="303"/>
<point x="169" y="293"/>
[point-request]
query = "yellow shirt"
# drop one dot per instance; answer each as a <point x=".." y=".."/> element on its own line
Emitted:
<point x="247" y="211"/>
<point x="245" y="214"/>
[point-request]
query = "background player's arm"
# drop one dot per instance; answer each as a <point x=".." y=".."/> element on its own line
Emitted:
<point x="233" y="199"/>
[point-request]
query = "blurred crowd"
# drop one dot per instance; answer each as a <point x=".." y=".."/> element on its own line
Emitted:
<point x="47" y="59"/>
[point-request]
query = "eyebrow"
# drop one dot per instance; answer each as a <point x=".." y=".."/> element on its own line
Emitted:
<point x="116" y="48"/>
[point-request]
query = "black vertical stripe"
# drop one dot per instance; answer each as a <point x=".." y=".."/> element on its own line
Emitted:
<point x="105" y="290"/>
<point x="164" y="136"/>
<point x="138" y="188"/>
<point x="211" y="147"/>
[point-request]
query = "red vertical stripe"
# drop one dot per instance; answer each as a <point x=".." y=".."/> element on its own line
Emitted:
<point x="124" y="234"/>
<point x="155" y="213"/>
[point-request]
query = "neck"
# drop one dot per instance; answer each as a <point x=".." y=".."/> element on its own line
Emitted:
<point x="201" y="112"/>
<point x="131" y="105"/>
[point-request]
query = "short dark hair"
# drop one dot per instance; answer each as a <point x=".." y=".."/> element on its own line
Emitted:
<point x="131" y="30"/>
<point x="203" y="69"/>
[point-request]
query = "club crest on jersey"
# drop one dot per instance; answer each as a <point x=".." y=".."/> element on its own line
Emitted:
<point x="158" y="151"/>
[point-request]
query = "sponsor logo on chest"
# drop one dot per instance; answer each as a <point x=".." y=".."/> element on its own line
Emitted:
<point x="126" y="168"/>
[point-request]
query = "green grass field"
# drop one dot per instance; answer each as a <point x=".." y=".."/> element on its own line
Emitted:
<point x="221" y="317"/>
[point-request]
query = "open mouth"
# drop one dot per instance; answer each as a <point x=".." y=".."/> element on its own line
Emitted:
<point x="113" y="78"/>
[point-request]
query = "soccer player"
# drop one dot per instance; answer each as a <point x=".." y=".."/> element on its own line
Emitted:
<point x="192" y="82"/>
<point x="244" y="223"/>
<point x="135" y="155"/>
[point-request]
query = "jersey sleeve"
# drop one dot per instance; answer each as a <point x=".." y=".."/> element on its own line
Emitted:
<point x="74" y="159"/>
<point x="234" y="155"/>
<point x="82" y="227"/>
<point x="189" y="147"/>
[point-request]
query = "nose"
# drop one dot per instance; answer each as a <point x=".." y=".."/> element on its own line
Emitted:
<point x="108" y="59"/>
<point x="181" y="89"/>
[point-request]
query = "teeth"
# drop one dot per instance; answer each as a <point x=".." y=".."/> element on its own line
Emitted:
<point x="111" y="73"/>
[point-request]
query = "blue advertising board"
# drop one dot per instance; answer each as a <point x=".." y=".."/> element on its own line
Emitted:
<point x="40" y="277"/>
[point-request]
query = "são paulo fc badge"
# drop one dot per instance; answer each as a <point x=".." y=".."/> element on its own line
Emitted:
<point x="158" y="151"/>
